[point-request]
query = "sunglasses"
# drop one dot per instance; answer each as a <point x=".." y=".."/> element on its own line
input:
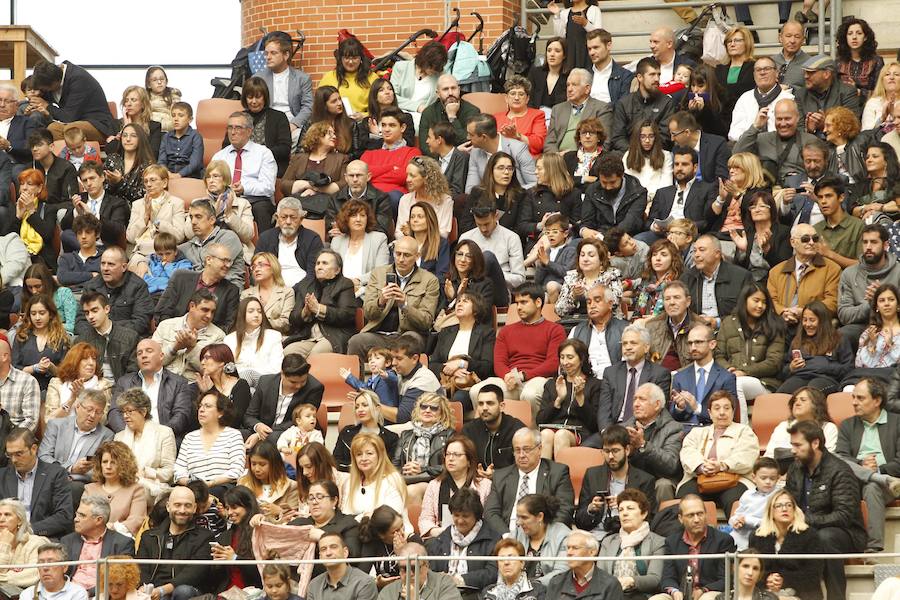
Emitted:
<point x="429" y="407"/>
<point x="805" y="239"/>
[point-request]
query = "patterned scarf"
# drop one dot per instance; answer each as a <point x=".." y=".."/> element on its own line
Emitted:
<point x="459" y="543"/>
<point x="421" y="448"/>
<point x="628" y="542"/>
<point x="502" y="591"/>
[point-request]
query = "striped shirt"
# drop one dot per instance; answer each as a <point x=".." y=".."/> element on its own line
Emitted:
<point x="224" y="459"/>
<point x="20" y="396"/>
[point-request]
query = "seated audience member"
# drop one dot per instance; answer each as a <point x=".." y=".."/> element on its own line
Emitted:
<point x="548" y="81"/>
<point x="433" y="247"/>
<point x="59" y="176"/>
<point x="181" y="150"/>
<point x="755" y="108"/>
<point x="703" y="97"/>
<point x="875" y="189"/>
<point x="112" y="212"/>
<point x="317" y="171"/>
<point x="267" y="482"/>
<point x="877" y="109"/>
<point x="183" y="338"/>
<point x="373" y="482"/>
<point x="877" y="464"/>
<point x="41" y="324"/>
<point x="170" y="394"/>
<point x="611" y="81"/>
<point x="325" y="514"/>
<point x="53" y="579"/>
<point x="823" y="89"/>
<point x="17" y="129"/>
<point x="414" y="378"/>
<point x="520" y="121"/>
<point x="492" y="431"/>
<point x="662" y="47"/>
<point x="451" y="109"/>
<point x="841" y="232"/>
<point x="295" y="246"/>
<point x="426" y="184"/>
<point x="627" y="254"/>
<point x="231" y="211"/>
<point x="79" y="266"/>
<point x="736" y="72"/>
<point x="530" y="474"/>
<point x="593" y="268"/>
<point x="302" y="433"/>
<point x="820" y="356"/>
<point x="752" y="505"/>
<point x="20" y="394"/>
<point x="136" y="110"/>
<point x="217" y="374"/>
<point x="645" y="158"/>
<point x="253" y="168"/>
<point x="77" y="371"/>
<point x="632" y="540"/>
<point x="877" y="355"/>
<point x="696" y="538"/>
<point x="765" y="241"/>
<point x="682" y="233"/>
<point x="352" y="75"/>
<point x="552" y="256"/>
<point x="235" y="543"/>
<point x="113" y="344"/>
<point x="713" y="153"/>
<point x="207" y="235"/>
<point x="655" y="439"/>
<point x="291" y="91"/>
<point x="381" y="535"/>
<point x="584" y="578"/>
<point x="20" y="545"/>
<point x="38" y="279"/>
<point x="14" y="261"/>
<point x="414" y="81"/>
<point x="270" y="289"/>
<point x="694" y="385"/>
<point x="454" y="162"/>
<point x="646" y="102"/>
<point x="486" y="141"/>
<point x="663" y="266"/>
<point x="152" y="444"/>
<point x="783" y="529"/>
<point x="468" y="273"/>
<point x="48" y="500"/>
<point x="460" y="471"/>
<point x="115" y="473"/>
<point x="188" y="541"/>
<point x="526" y="353"/>
<point x="554" y="193"/>
<point x="382" y="381"/>
<point x="806" y="277"/>
<point x="386" y="309"/>
<point x="276" y="397"/>
<point x="255" y="345"/>
<point x="500" y="188"/>
<point x="36" y="218"/>
<point x="387" y="165"/>
<point x="213" y="278"/>
<point x="357" y="178"/>
<point x="338" y="574"/>
<point x="367" y="412"/>
<point x="163" y="263"/>
<point x="669" y="329"/>
<point x="214" y="453"/>
<point x="512" y="580"/>
<point x="440" y="586"/>
<point x="578" y="106"/>
<point x="601" y="333"/>
<point x="315" y="463"/>
<point x="328" y="108"/>
<point x="59" y="446"/>
<point x="590" y="135"/>
<point x="129" y="301"/>
<point x="270" y="125"/>
<point x="91" y="519"/>
<point x="710" y="270"/>
<point x="806" y="404"/>
<point x="832" y="504"/>
<point x="616" y="200"/>
<point x="499" y="244"/>
<point x="791" y="58"/>
<point x="381" y="96"/>
<point x="541" y="534"/>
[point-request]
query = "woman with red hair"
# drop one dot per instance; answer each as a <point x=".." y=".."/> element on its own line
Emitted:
<point x="217" y="370"/>
<point x="76" y="372"/>
<point x="37" y="222"/>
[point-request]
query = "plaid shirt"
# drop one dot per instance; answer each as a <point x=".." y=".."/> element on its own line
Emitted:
<point x="20" y="396"/>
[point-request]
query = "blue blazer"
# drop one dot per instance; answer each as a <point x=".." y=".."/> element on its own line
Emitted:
<point x="619" y="83"/>
<point x="685" y="380"/>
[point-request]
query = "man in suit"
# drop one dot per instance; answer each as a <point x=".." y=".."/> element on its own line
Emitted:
<point x="301" y="246"/>
<point x="41" y="486"/>
<point x="207" y="236"/>
<point x="579" y="105"/>
<point x="115" y="344"/>
<point x="713" y="283"/>
<point x="647" y="102"/>
<point x="875" y="461"/>
<point x="530" y="475"/>
<point x="184" y="338"/>
<point x="91" y="518"/>
<point x="276" y="396"/>
<point x="129" y="299"/>
<point x="616" y="199"/>
<point x="611" y="81"/>
<point x="15" y="154"/>
<point x="357" y="176"/>
<point x="454" y="162"/>
<point x="712" y="150"/>
<point x="690" y="197"/>
<point x="594" y="509"/>
<point x="485" y="142"/>
<point x="450" y="108"/>
<point x="655" y="439"/>
<point x="601" y="322"/>
<point x="289" y="88"/>
<point x="692" y="386"/>
<point x="113" y="212"/>
<point x="171" y="397"/>
<point x="779" y="151"/>
<point x="71" y="96"/>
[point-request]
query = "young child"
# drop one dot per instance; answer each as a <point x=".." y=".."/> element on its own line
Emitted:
<point x="383" y="380"/>
<point x="627" y="254"/>
<point x="302" y="432"/>
<point x="165" y="260"/>
<point x="181" y="150"/>
<point x="552" y="256"/>
<point x="210" y="512"/>
<point x="681" y="78"/>
<point x="76" y="151"/>
<point x="749" y="513"/>
<point x="277" y="583"/>
<point x="162" y="97"/>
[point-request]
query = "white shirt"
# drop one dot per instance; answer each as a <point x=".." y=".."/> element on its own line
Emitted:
<point x="4" y="127"/>
<point x="258" y="168"/>
<point x="745" y="110"/>
<point x="291" y="271"/>
<point x="280" y="83"/>
<point x="152" y="391"/>
<point x="667" y="72"/>
<point x="677" y="211"/>
<point x="284" y="400"/>
<point x="598" y="352"/>
<point x="532" y="489"/>
<point x="94" y="204"/>
<point x="460" y="344"/>
<point x="600" y="84"/>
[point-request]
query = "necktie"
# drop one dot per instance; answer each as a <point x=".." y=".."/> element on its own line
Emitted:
<point x="238" y="167"/>
<point x="629" y="396"/>
<point x="801" y="271"/>
<point x="523" y="488"/>
<point x="701" y="385"/>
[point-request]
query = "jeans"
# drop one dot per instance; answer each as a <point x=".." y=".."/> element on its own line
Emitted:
<point x="181" y="592"/>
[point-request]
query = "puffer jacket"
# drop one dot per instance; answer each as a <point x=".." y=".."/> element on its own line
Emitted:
<point x="403" y="454"/>
<point x="757" y="356"/>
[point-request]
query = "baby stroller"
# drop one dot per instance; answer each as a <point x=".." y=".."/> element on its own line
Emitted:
<point x="464" y="62"/>
<point x="249" y="61"/>
<point x="512" y="53"/>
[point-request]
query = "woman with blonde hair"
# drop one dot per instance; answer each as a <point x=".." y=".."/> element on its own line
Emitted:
<point x="232" y="211"/>
<point x="157" y="211"/>
<point x="420" y="452"/>
<point x="76" y="372"/>
<point x="879" y="107"/>
<point x="373" y="480"/>
<point x="367" y="411"/>
<point x="18" y="544"/>
<point x="321" y="157"/>
<point x="137" y="109"/>
<point x="41" y="342"/>
<point x="115" y="477"/>
<point x="555" y="193"/>
<point x="268" y="285"/>
<point x="736" y="74"/>
<point x="425" y="183"/>
<point x="745" y="177"/>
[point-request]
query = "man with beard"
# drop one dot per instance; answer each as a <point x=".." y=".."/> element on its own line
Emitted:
<point x="449" y="108"/>
<point x="752" y="102"/>
<point x="828" y="493"/>
<point x="877" y="266"/>
<point x="798" y="204"/>
<point x="295" y="246"/>
<point x="779" y="150"/>
<point x="712" y="150"/>
<point x="177" y="538"/>
<point x="492" y="431"/>
<point x="579" y="105"/>
<point x="694" y="384"/>
<point x="647" y="102"/>
<point x="614" y="200"/>
<point x="823" y="90"/>
<point x="611" y="81"/>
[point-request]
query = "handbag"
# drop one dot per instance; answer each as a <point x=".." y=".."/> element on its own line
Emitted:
<point x="714" y="38"/>
<point x="717" y="482"/>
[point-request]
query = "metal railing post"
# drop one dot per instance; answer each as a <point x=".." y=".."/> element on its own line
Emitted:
<point x="822" y="26"/>
<point x="835" y="21"/>
<point x="731" y="562"/>
<point x="415" y="581"/>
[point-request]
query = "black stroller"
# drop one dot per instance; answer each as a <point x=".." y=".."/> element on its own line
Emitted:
<point x="512" y="53"/>
<point x="249" y="61"/>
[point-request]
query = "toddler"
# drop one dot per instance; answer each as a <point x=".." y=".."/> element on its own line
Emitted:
<point x="76" y="151"/>
<point x="165" y="260"/>
<point x="752" y="506"/>
<point x="554" y="248"/>
<point x="302" y="432"/>
<point x="383" y="380"/>
<point x="681" y="78"/>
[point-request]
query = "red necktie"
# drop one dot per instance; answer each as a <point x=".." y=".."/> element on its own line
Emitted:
<point x="238" y="167"/>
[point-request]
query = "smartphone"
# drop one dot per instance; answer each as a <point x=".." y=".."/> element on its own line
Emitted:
<point x="84" y="196"/>
<point x="602" y="494"/>
<point x="391" y="278"/>
<point x="796" y="354"/>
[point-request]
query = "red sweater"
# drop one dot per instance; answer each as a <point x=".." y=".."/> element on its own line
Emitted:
<point x="530" y="348"/>
<point x="388" y="167"/>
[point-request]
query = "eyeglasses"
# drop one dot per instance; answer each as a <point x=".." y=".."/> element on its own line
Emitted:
<point x="227" y="261"/>
<point x="315" y="498"/>
<point x="525" y="450"/>
<point x="504" y="168"/>
<point x="236" y="127"/>
<point x="677" y="133"/>
<point x="805" y="239"/>
<point x="783" y="505"/>
<point x="90" y="411"/>
<point x="677" y="232"/>
<point x="735" y="40"/>
<point x="454" y="454"/>
<point x="762" y="69"/>
<point x="429" y="407"/>
<point x="463" y="255"/>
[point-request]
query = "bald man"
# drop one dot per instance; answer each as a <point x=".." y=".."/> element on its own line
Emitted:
<point x="20" y="394"/>
<point x="662" y="46"/>
<point x="450" y="108"/>
<point x="129" y="299"/>
<point x="357" y="177"/>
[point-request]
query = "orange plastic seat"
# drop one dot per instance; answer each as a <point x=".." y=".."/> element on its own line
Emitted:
<point x="579" y="460"/>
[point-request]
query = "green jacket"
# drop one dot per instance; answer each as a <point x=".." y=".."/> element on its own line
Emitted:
<point x="758" y="356"/>
<point x="435" y="113"/>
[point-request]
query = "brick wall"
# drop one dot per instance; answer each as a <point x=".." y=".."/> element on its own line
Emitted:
<point x="380" y="25"/>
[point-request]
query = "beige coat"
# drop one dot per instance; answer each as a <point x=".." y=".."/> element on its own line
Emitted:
<point x="184" y="363"/>
<point x="155" y="452"/>
<point x="167" y="214"/>
<point x="52" y="403"/>
<point x="278" y="308"/>
<point x="240" y="220"/>
<point x="23" y="554"/>
<point x="738" y="448"/>
<point x="418" y="314"/>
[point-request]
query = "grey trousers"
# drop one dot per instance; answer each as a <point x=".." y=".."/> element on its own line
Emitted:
<point x="877" y="498"/>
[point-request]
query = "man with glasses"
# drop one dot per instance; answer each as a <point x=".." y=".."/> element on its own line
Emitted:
<point x="579" y="105"/>
<point x="840" y="231"/>
<point x="295" y="246"/>
<point x="647" y="102"/>
<point x="431" y="584"/>
<point x="485" y="141"/>
<point x="779" y="151"/>
<point x="451" y="109"/>
<point x="693" y="385"/>
<point x="207" y="233"/>
<point x="791" y="58"/>
<point x="53" y="582"/>
<point x="585" y="579"/>
<point x="530" y="475"/>
<point x="129" y="298"/>
<point x="182" y="338"/>
<point x="253" y="168"/>
<point x="712" y="150"/>
<point x="216" y="264"/>
<point x="805" y="277"/>
<point x="92" y="540"/>
<point x="752" y="108"/>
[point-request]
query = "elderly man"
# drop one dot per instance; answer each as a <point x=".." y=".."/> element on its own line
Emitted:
<point x="791" y="58"/>
<point x="753" y="103"/>
<point x="655" y="439"/>
<point x="450" y="108"/>
<point x="71" y="96"/>
<point x="253" y="168"/>
<point x="20" y="394"/>
<point x="713" y="283"/>
<point x="647" y="102"/>
<point x="693" y="385"/>
<point x="129" y="299"/>
<point x="14" y="151"/>
<point x="357" y="177"/>
<point x="602" y="334"/>
<point x="584" y="580"/>
<point x="182" y="338"/>
<point x="798" y="204"/>
<point x="92" y="540"/>
<point x="295" y="246"/>
<point x="857" y="285"/>
<point x="712" y="150"/>
<point x="805" y="277"/>
<point x="486" y="141"/>
<point x="668" y="330"/>
<point x="579" y="105"/>
<point x="202" y="216"/>
<point x="340" y="581"/>
<point x="432" y="585"/>
<point x="213" y="277"/>
<point x="14" y="260"/>
<point x="114" y="344"/>
<point x="53" y="581"/>
<point x="662" y="47"/>
<point x="778" y="150"/>
<point x="170" y="395"/>
<point x="617" y="199"/>
<point x="611" y="81"/>
<point x="823" y="90"/>
<point x="276" y="396"/>
<point x="400" y="299"/>
<point x="840" y="232"/>
<point x="530" y="475"/>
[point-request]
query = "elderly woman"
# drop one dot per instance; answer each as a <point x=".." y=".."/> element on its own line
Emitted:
<point x="352" y="75"/>
<point x="519" y="121"/>
<point x="124" y="168"/>
<point x="373" y="480"/>
<point x="115" y="477"/>
<point x="806" y="404"/>
<point x="324" y="316"/>
<point x="360" y="246"/>
<point x="37" y="221"/>
<point x="267" y="479"/>
<point x="232" y="211"/>
<point x="736" y="75"/>
<point x="467" y="534"/>
<point x="725" y="449"/>
<point x="319" y="168"/>
<point x="842" y="132"/>
<point x="460" y="472"/>
<point x="541" y="535"/>
<point x="582" y="163"/>
<point x="270" y="126"/>
<point x="268" y="285"/>
<point x="367" y="411"/>
<point x="512" y="581"/>
<point x="136" y="110"/>
<point x="784" y="530"/>
<point x="157" y="211"/>
<point x="415" y="81"/>
<point x="420" y="452"/>
<point x="76" y="372"/>
<point x="152" y="444"/>
<point x="593" y="268"/>
<point x="639" y="579"/>
<point x="425" y="183"/>
<point x="255" y="345"/>
<point x="18" y="544"/>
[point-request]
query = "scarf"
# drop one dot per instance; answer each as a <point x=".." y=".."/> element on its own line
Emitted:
<point x="768" y="98"/>
<point x="502" y="591"/>
<point x="33" y="241"/>
<point x="585" y="162"/>
<point x="421" y="447"/>
<point x="628" y="542"/>
<point x="459" y="543"/>
<point x="220" y="201"/>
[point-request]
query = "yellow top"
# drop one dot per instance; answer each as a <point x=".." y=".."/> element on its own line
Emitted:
<point x="351" y="90"/>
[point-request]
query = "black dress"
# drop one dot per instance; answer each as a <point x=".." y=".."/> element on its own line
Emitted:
<point x="576" y="40"/>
